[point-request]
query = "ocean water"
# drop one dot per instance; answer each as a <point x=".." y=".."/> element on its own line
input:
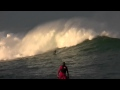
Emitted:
<point x="89" y="48"/>
<point x="98" y="58"/>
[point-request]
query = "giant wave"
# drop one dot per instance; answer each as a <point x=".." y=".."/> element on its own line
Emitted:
<point x="49" y="36"/>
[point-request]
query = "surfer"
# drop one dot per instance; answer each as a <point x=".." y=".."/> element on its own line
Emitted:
<point x="62" y="72"/>
<point x="55" y="52"/>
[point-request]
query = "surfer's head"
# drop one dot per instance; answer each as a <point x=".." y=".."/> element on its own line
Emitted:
<point x="63" y="63"/>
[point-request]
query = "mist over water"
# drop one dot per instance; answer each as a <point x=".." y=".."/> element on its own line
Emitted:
<point x="56" y="34"/>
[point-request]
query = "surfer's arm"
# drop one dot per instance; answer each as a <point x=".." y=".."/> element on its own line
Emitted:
<point x="59" y="71"/>
<point x="67" y="73"/>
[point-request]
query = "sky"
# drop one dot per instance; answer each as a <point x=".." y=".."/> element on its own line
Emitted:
<point x="23" y="21"/>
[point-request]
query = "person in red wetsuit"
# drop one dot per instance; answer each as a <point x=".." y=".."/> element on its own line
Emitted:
<point x="62" y="72"/>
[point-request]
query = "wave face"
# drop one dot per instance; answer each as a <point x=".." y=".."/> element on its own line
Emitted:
<point x="52" y="35"/>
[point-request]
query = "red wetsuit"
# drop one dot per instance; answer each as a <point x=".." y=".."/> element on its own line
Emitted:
<point x="62" y="72"/>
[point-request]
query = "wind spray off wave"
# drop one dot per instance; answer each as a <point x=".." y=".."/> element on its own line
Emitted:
<point x="57" y="34"/>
